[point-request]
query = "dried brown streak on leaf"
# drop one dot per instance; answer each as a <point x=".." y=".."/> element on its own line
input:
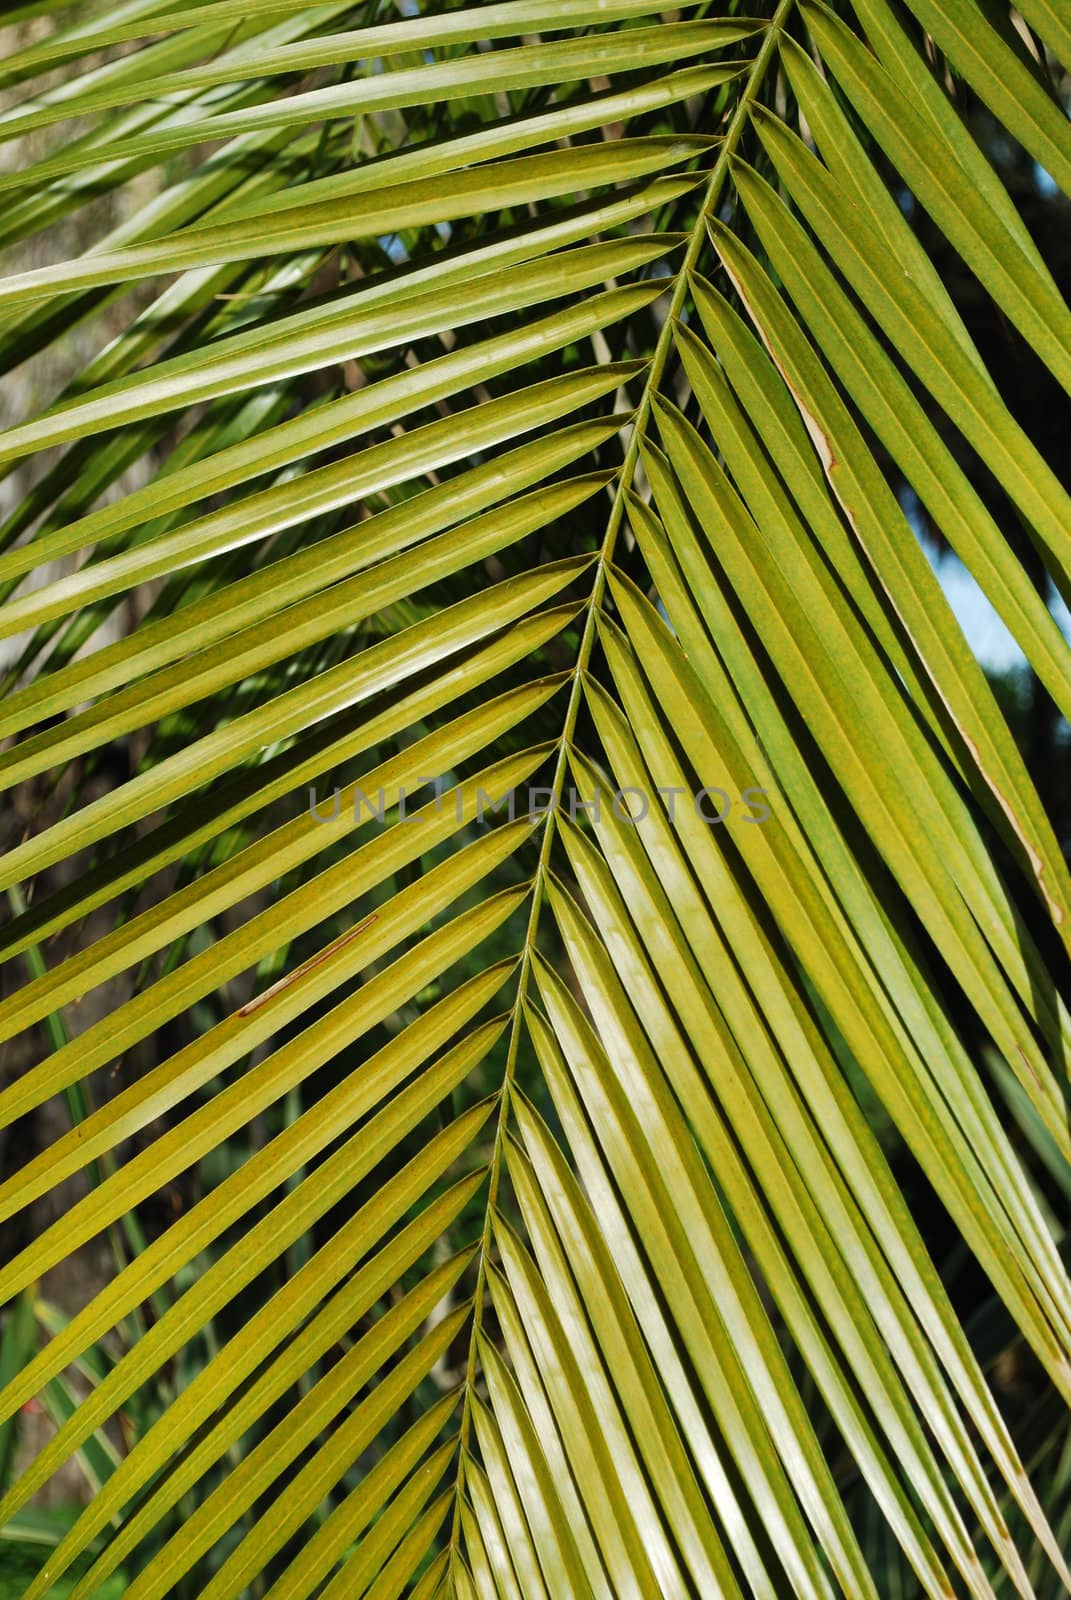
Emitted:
<point x="819" y="438"/>
<point x="1027" y="1065"/>
<point x="1036" y="863"/>
<point x="307" y="966"/>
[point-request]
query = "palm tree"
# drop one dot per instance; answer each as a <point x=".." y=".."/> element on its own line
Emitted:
<point x="571" y="1095"/>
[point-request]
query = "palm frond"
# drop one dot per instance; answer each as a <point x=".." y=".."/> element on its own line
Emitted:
<point x="569" y="930"/>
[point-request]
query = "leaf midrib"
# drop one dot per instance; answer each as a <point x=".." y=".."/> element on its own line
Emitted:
<point x="656" y="369"/>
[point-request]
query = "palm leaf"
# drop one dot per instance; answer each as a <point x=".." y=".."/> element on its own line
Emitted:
<point x="582" y="1174"/>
